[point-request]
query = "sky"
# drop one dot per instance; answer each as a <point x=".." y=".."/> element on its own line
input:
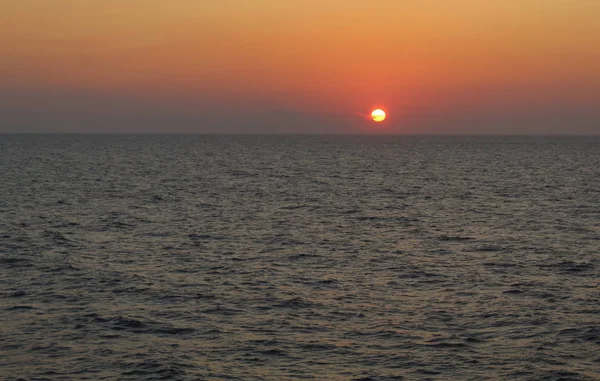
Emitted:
<point x="300" y="66"/>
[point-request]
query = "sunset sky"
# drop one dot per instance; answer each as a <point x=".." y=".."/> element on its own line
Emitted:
<point x="300" y="66"/>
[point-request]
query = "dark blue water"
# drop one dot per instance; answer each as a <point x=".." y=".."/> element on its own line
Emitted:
<point x="299" y="257"/>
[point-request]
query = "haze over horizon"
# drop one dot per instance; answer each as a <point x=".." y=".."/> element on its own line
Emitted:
<point x="234" y="66"/>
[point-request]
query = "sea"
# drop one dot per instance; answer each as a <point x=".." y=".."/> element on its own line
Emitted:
<point x="333" y="257"/>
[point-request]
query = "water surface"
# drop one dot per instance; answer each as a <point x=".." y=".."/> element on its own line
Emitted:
<point x="299" y="257"/>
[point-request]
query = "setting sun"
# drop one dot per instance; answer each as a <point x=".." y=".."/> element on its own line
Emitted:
<point x="378" y="115"/>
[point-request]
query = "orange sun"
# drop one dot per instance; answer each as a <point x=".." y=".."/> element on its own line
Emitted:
<point x="378" y="115"/>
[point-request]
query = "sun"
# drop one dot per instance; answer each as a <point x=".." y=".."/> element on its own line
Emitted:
<point x="378" y="115"/>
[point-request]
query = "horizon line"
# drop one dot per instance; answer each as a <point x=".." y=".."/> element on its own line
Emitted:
<point x="304" y="134"/>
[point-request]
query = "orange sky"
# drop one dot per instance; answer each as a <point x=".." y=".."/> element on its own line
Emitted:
<point x="428" y="62"/>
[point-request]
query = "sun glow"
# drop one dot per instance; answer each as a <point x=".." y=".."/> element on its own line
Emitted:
<point x="378" y="115"/>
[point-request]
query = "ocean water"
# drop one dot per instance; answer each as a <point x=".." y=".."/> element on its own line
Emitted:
<point x="299" y="257"/>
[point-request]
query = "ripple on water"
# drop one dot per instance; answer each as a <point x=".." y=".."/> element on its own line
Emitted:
<point x="287" y="258"/>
